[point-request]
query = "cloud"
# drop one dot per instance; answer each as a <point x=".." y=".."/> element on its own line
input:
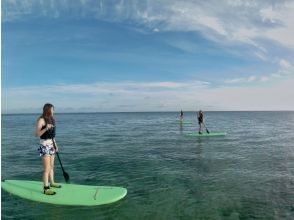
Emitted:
<point x="251" y="78"/>
<point x="117" y="96"/>
<point x="264" y="78"/>
<point x="111" y="88"/>
<point x="242" y="80"/>
<point x="265" y="27"/>
<point x="283" y="16"/>
<point x="285" y="64"/>
<point x="276" y="96"/>
<point x="242" y="21"/>
<point x="235" y="80"/>
<point x="285" y="71"/>
<point x="151" y="96"/>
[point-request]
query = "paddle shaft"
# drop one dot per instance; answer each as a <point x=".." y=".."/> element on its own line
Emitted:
<point x="202" y="122"/>
<point x="58" y="157"/>
<point x="206" y="128"/>
<point x="65" y="174"/>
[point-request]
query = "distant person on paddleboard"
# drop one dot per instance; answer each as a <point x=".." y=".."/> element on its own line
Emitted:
<point x="45" y="129"/>
<point x="201" y="122"/>
<point x="181" y="115"/>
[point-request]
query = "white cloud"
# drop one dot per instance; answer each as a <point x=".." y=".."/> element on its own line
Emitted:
<point x="286" y="71"/>
<point x="251" y="78"/>
<point x="264" y="79"/>
<point x="235" y="80"/>
<point x="261" y="56"/>
<point x="188" y="16"/>
<point x="252" y="24"/>
<point x="283" y="16"/>
<point x="121" y="96"/>
<point x="153" y="96"/>
<point x="278" y="96"/>
<point x="241" y="80"/>
<point x="285" y="64"/>
<point x="255" y="23"/>
<point x="236" y="20"/>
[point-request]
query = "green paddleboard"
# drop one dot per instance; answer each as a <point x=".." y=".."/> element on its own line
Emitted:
<point x="204" y="134"/>
<point x="68" y="194"/>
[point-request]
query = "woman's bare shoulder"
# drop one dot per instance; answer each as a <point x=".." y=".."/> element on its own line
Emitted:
<point x="41" y="120"/>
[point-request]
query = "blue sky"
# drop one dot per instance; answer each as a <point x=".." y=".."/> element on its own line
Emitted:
<point x="88" y="55"/>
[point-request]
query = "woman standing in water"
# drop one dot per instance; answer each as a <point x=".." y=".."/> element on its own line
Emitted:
<point x="45" y="129"/>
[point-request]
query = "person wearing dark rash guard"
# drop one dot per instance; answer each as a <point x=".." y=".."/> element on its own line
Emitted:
<point x="181" y="115"/>
<point x="200" y="121"/>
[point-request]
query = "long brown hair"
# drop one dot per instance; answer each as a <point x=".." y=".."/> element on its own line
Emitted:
<point x="47" y="114"/>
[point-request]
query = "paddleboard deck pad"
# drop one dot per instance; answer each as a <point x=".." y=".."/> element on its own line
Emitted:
<point x="68" y="194"/>
<point x="204" y="134"/>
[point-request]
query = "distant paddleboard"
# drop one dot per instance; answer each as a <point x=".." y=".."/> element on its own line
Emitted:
<point x="68" y="194"/>
<point x="204" y="134"/>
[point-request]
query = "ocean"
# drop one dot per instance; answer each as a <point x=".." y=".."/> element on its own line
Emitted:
<point x="247" y="174"/>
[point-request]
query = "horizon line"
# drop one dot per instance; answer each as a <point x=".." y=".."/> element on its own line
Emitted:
<point x="111" y="112"/>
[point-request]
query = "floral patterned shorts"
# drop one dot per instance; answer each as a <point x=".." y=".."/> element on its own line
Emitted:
<point x="46" y="148"/>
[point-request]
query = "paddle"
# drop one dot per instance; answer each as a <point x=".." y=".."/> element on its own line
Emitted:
<point x="65" y="174"/>
<point x="206" y="128"/>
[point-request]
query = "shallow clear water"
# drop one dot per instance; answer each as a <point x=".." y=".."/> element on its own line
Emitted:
<point x="248" y="174"/>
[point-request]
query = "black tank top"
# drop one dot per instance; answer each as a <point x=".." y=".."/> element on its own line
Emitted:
<point x="50" y="133"/>
<point x="200" y="118"/>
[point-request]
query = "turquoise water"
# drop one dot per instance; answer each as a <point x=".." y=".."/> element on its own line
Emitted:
<point x="247" y="174"/>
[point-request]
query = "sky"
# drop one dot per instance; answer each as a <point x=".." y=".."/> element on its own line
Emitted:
<point x="147" y="55"/>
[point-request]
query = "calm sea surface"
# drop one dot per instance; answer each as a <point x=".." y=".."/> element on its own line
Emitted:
<point x="248" y="174"/>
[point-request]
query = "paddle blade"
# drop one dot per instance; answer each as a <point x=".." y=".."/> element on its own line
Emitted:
<point x="65" y="174"/>
<point x="66" y="177"/>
